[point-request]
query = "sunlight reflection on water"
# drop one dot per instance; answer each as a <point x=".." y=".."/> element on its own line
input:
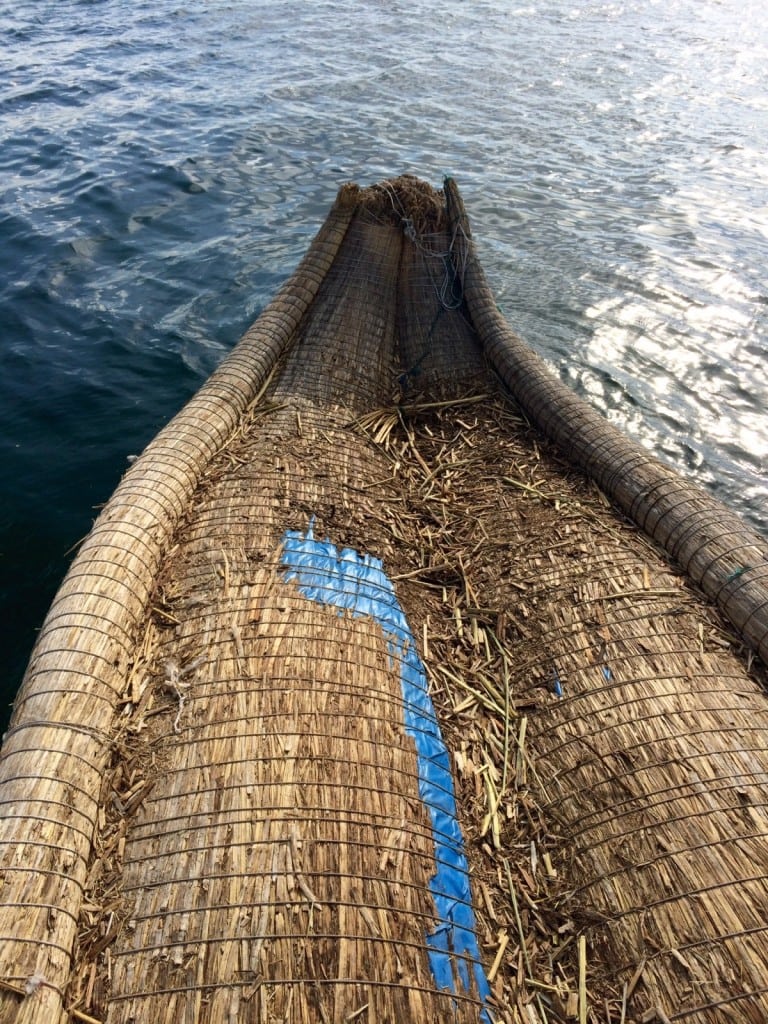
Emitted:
<point x="164" y="168"/>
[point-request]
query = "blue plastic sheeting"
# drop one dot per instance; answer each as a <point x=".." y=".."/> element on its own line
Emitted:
<point x="358" y="584"/>
<point x="557" y="686"/>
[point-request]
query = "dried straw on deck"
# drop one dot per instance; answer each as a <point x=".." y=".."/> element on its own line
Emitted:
<point x="215" y="808"/>
<point x="583" y="676"/>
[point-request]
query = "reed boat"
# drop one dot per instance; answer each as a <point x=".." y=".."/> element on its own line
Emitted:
<point x="393" y="684"/>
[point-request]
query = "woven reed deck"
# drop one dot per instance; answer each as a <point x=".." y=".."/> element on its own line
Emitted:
<point x="215" y="800"/>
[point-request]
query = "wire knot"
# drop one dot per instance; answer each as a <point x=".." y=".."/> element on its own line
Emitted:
<point x="409" y="229"/>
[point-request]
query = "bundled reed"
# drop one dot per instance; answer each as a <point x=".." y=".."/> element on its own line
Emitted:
<point x="228" y="795"/>
<point x="619" y="740"/>
<point x="83" y="668"/>
<point x="710" y="543"/>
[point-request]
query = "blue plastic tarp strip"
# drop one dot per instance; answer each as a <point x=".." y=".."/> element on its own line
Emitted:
<point x="357" y="583"/>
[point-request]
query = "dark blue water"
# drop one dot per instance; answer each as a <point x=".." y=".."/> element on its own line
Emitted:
<point x="163" y="166"/>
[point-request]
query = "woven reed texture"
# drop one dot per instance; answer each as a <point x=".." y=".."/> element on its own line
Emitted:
<point x="711" y="544"/>
<point x="280" y="866"/>
<point x="81" y="665"/>
<point x="645" y="748"/>
<point x="247" y="837"/>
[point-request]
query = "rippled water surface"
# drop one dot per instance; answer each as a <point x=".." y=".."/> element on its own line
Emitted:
<point x="163" y="167"/>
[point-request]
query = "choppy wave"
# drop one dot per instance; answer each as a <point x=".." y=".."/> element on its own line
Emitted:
<point x="163" y="167"/>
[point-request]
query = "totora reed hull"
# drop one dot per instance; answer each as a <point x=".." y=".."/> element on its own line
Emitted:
<point x="393" y="684"/>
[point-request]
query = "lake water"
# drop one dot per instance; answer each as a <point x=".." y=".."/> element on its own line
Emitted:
<point x="163" y="167"/>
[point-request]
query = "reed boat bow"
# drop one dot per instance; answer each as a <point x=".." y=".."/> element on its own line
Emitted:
<point x="360" y="703"/>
